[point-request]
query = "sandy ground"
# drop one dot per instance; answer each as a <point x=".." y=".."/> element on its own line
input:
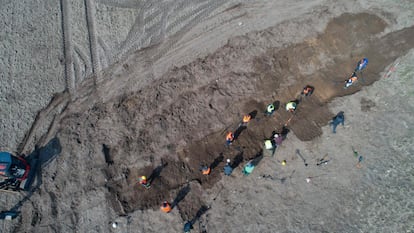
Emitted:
<point x="164" y="110"/>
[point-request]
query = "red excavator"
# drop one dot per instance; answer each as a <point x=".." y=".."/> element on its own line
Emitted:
<point x="14" y="172"/>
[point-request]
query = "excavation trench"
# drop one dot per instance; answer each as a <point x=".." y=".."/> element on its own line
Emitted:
<point x="181" y="120"/>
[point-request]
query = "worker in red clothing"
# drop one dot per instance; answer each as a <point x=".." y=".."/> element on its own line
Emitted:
<point x="166" y="207"/>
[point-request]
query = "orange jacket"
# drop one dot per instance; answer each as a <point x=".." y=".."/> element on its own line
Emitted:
<point x="229" y="137"/>
<point x="353" y="79"/>
<point x="206" y="171"/>
<point x="246" y="118"/>
<point x="166" y="207"/>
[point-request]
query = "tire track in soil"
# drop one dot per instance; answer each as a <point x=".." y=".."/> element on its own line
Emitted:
<point x="169" y="45"/>
<point x="93" y="40"/>
<point x="106" y="58"/>
<point x="67" y="45"/>
<point x="85" y="60"/>
<point x="186" y="16"/>
<point x="134" y="37"/>
<point x="124" y="4"/>
<point x="77" y="70"/>
<point x="141" y="34"/>
<point x="34" y="136"/>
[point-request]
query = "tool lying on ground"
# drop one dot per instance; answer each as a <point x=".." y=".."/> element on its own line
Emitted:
<point x="358" y="165"/>
<point x="360" y="158"/>
<point x="282" y="180"/>
<point x="304" y="160"/>
<point x="323" y="160"/>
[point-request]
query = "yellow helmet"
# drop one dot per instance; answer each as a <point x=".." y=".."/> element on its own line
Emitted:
<point x="143" y="177"/>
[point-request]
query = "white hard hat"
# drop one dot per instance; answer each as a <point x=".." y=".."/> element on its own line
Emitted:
<point x="228" y="160"/>
<point x="114" y="225"/>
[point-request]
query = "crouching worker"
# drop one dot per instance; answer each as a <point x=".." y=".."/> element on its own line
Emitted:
<point x="248" y="168"/>
<point x="338" y="119"/>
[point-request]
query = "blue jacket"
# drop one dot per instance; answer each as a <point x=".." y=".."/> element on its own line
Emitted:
<point x="338" y="119"/>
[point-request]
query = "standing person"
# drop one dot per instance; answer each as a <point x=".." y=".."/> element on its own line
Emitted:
<point x="307" y="91"/>
<point x="227" y="168"/>
<point x="229" y="138"/>
<point x="291" y="106"/>
<point x="270" y="109"/>
<point x="361" y="64"/>
<point x="248" y="168"/>
<point x="205" y="170"/>
<point x="338" y="119"/>
<point x="351" y="80"/>
<point x="144" y="182"/>
<point x="246" y="119"/>
<point x="166" y="207"/>
<point x="278" y="139"/>
<point x="188" y="226"/>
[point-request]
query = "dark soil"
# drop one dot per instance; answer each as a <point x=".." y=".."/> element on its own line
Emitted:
<point x="179" y="123"/>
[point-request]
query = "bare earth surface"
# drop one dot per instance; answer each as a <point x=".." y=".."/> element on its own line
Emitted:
<point x="152" y="89"/>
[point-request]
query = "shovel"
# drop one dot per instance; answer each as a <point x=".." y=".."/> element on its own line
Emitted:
<point x="304" y="160"/>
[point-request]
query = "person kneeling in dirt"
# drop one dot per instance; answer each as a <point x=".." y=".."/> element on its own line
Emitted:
<point x="307" y="91"/>
<point x="338" y="119"/>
